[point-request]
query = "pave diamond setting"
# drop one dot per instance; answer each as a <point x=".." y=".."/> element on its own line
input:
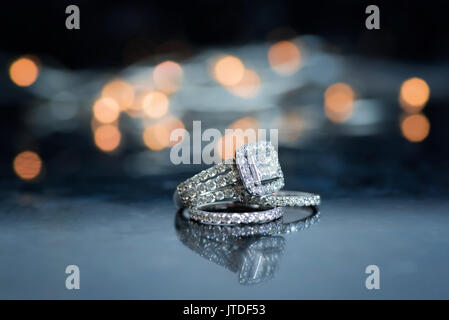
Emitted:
<point x="224" y="218"/>
<point x="259" y="168"/>
<point x="286" y="199"/>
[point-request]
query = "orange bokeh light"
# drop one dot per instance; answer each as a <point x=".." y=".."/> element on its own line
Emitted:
<point x="229" y="71"/>
<point x="245" y="123"/>
<point x="155" y="104"/>
<point x="156" y="136"/>
<point x="248" y="86"/>
<point x="27" y="165"/>
<point x="284" y="57"/>
<point x="415" y="128"/>
<point x="414" y="94"/>
<point x="23" y="72"/>
<point x="173" y="123"/>
<point x="107" y="137"/>
<point x="244" y="131"/>
<point x="339" y="102"/>
<point x="167" y="77"/>
<point x="228" y="144"/>
<point x="121" y="91"/>
<point x="106" y="110"/>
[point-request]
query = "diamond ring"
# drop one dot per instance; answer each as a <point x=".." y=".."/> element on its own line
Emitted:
<point x="254" y="172"/>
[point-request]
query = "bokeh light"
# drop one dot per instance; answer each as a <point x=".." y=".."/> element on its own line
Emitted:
<point x="173" y="123"/>
<point x="244" y="131"/>
<point x="106" y="110"/>
<point x="248" y="86"/>
<point x="284" y="57"/>
<point x="155" y="104"/>
<point x="23" y="72"/>
<point x="121" y="91"/>
<point x="157" y="135"/>
<point x="339" y="102"/>
<point x="414" y="94"/>
<point x="245" y="123"/>
<point x="167" y="77"/>
<point x="229" y="70"/>
<point x="27" y="165"/>
<point x="415" y="127"/>
<point x="228" y="144"/>
<point x="107" y="137"/>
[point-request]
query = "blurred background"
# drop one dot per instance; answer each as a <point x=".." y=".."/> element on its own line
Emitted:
<point x="357" y="110"/>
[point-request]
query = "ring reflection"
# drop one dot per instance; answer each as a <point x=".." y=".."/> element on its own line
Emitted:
<point x="254" y="251"/>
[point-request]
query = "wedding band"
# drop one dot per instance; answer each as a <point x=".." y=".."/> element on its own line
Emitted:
<point x="243" y="214"/>
<point x="227" y="232"/>
<point x="254" y="172"/>
<point x="286" y="199"/>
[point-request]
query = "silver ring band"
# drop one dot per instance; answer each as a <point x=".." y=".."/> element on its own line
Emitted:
<point x="286" y="199"/>
<point x="248" y="214"/>
<point x="223" y="233"/>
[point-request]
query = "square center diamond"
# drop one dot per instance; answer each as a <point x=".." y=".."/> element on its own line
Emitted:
<point x="259" y="168"/>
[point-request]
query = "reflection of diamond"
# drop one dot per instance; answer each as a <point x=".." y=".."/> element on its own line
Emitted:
<point x="260" y="260"/>
<point x="259" y="168"/>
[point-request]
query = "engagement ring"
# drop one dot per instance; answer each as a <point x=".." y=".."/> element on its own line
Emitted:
<point x="254" y="172"/>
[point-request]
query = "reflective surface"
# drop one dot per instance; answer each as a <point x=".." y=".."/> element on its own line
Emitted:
<point x="131" y="249"/>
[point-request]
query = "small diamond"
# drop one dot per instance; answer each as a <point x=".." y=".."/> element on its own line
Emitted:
<point x="245" y="218"/>
<point x="226" y="218"/>
<point x="219" y="195"/>
<point x="278" y="213"/>
<point x="202" y="175"/>
<point x="209" y="198"/>
<point x="212" y="172"/>
<point x="236" y="218"/>
<point x="231" y="177"/>
<point x="221" y="181"/>
<point x="202" y="188"/>
<point x="228" y="193"/>
<point x="215" y="218"/>
<point x="210" y="185"/>
<point x="221" y="167"/>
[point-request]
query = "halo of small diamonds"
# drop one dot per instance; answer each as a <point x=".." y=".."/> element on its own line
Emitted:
<point x="259" y="168"/>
